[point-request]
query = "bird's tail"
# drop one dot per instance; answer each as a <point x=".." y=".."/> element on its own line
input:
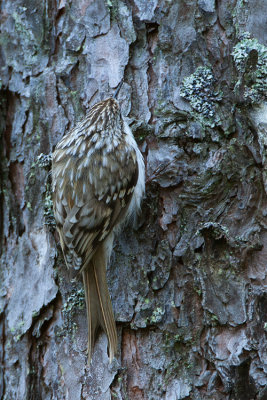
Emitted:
<point x="98" y="303"/>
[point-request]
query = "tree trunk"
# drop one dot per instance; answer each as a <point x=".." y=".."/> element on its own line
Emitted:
<point x="188" y="282"/>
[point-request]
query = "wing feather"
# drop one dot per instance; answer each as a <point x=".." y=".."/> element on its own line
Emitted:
<point x="86" y="209"/>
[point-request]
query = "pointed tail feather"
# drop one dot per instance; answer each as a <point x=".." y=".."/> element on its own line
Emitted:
<point x="98" y="303"/>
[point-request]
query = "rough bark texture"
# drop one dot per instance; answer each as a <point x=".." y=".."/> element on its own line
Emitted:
<point x="188" y="284"/>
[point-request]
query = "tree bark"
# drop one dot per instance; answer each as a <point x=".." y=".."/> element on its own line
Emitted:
<point x="188" y="281"/>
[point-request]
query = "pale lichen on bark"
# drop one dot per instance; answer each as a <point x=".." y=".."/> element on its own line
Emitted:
<point x="187" y="283"/>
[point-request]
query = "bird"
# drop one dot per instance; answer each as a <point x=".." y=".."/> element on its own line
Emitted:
<point x="98" y="183"/>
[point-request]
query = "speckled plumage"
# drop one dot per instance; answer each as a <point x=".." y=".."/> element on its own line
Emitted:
<point x="98" y="181"/>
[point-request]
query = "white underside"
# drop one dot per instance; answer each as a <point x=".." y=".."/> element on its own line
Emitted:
<point x="139" y="190"/>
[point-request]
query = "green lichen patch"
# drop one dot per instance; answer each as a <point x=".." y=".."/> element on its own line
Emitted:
<point x="250" y="59"/>
<point x="149" y="311"/>
<point x="157" y="315"/>
<point x="72" y="308"/>
<point x="74" y="301"/>
<point x="48" y="206"/>
<point x="141" y="130"/>
<point x="180" y="363"/>
<point x="43" y="162"/>
<point x="211" y="319"/>
<point x="113" y="9"/>
<point x="199" y="90"/>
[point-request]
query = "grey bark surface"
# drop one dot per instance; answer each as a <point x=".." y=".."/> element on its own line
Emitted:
<point x="188" y="281"/>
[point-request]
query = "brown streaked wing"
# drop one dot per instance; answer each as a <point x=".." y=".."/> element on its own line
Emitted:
<point x="90" y="222"/>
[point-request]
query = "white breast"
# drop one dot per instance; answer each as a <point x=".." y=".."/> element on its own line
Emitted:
<point x="139" y="190"/>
